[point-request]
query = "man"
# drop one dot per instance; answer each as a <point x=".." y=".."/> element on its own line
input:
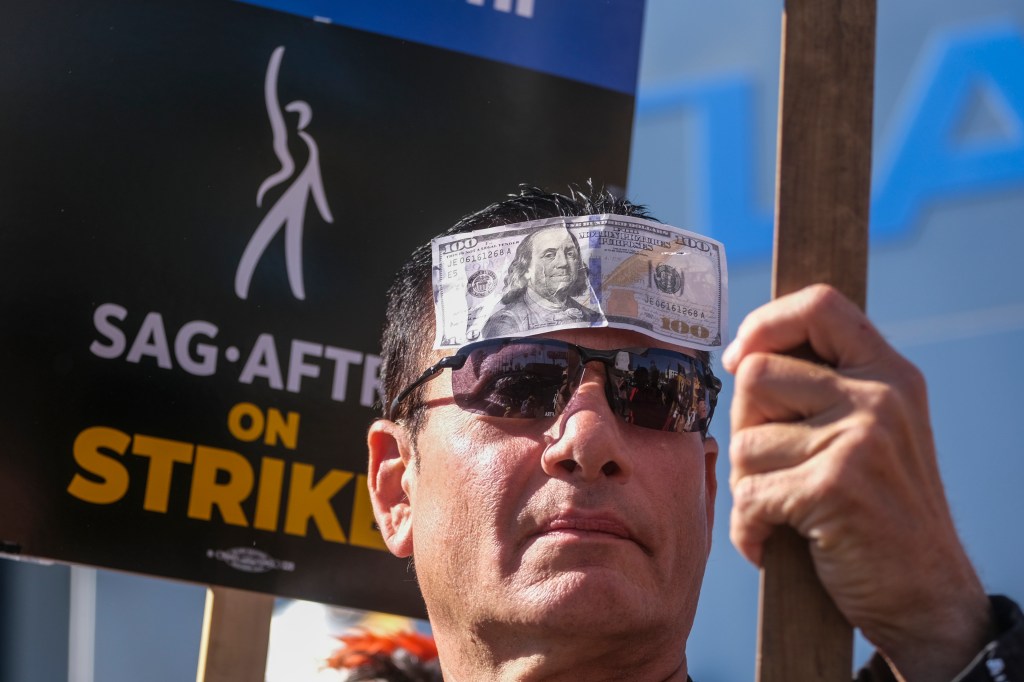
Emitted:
<point x="573" y="547"/>
<point x="544" y="275"/>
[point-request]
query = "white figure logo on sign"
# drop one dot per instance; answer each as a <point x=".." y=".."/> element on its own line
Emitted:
<point x="289" y="211"/>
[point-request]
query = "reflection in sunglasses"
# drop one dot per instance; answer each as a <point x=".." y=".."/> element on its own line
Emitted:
<point x="536" y="378"/>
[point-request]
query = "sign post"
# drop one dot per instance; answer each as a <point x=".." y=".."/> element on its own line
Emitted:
<point x="821" y="228"/>
<point x="236" y="635"/>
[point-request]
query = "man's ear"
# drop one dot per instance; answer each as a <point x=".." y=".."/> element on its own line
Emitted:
<point x="390" y="459"/>
<point x="710" y="480"/>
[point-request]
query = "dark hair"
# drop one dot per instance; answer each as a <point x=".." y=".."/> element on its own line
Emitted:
<point x="409" y="327"/>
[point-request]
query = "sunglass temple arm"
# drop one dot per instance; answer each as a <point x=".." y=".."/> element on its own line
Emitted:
<point x="452" y="361"/>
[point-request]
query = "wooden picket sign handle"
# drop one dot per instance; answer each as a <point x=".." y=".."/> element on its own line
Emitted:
<point x="236" y="635"/>
<point x="821" y="226"/>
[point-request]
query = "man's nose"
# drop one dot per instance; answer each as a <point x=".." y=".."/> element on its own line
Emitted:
<point x="588" y="440"/>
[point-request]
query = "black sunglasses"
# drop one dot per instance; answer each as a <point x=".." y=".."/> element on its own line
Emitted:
<point x="534" y="378"/>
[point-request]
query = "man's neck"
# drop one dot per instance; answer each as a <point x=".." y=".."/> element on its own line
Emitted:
<point x="482" y="657"/>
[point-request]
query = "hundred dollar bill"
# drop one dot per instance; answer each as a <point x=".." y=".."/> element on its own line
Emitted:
<point x="576" y="272"/>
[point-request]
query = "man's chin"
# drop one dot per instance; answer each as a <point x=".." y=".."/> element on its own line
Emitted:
<point x="582" y="585"/>
<point x="598" y="600"/>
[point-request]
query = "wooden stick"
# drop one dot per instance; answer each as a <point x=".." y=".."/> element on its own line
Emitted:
<point x="823" y="184"/>
<point x="236" y="634"/>
<point x="821" y="226"/>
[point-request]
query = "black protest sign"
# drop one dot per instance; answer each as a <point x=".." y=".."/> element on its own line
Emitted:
<point x="203" y="204"/>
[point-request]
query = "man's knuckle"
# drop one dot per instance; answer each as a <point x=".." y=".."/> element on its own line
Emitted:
<point x="822" y="297"/>
<point x="755" y="369"/>
<point x="738" y="531"/>
<point x="860" y="438"/>
<point x="741" y="450"/>
<point x="914" y="381"/>
<point x="842" y="466"/>
<point x="879" y="398"/>
<point x="822" y="483"/>
<point x="744" y="491"/>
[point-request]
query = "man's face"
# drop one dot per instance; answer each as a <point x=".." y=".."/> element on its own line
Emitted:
<point x="554" y="264"/>
<point x="580" y="522"/>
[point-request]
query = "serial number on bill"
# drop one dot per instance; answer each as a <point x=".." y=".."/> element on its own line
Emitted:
<point x="481" y="255"/>
<point x="672" y="307"/>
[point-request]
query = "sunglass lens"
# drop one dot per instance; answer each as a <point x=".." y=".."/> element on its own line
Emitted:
<point x="519" y="380"/>
<point x="656" y="389"/>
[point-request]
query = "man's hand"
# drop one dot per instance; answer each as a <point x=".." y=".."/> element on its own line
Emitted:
<point x="843" y="452"/>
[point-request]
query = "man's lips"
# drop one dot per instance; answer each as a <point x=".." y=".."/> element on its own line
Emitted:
<point x="585" y="524"/>
<point x="598" y="525"/>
